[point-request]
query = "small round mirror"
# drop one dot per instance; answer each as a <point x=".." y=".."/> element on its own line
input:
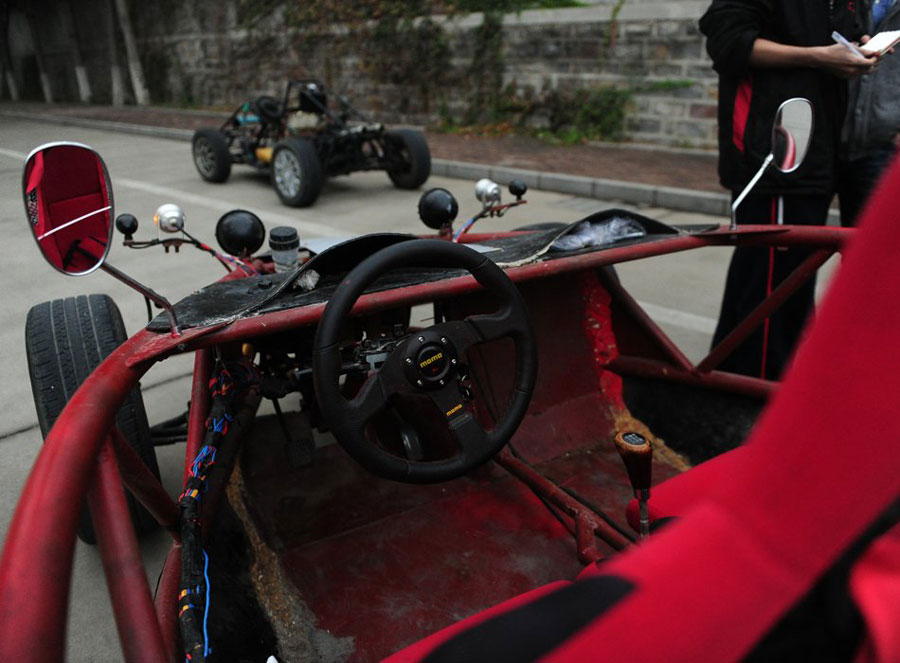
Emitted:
<point x="69" y="206"/>
<point x="791" y="133"/>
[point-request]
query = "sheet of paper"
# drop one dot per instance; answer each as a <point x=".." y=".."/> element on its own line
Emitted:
<point x="881" y="42"/>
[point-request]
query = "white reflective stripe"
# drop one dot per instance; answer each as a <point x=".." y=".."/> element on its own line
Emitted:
<point x="780" y="213"/>
<point x="12" y="154"/>
<point x="73" y="221"/>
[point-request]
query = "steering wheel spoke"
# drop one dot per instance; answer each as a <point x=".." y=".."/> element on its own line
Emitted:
<point x="505" y="322"/>
<point x="468" y="432"/>
<point x="374" y="394"/>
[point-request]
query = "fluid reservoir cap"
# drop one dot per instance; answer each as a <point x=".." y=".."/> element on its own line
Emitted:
<point x="240" y="232"/>
<point x="283" y="238"/>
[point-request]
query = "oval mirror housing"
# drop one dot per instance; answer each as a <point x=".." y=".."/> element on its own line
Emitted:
<point x="69" y="206"/>
<point x="791" y="133"/>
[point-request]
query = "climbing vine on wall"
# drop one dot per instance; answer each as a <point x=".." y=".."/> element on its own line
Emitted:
<point x="397" y="43"/>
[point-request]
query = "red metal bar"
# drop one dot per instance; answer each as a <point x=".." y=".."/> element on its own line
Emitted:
<point x="203" y="365"/>
<point x="584" y="540"/>
<point x="144" y="486"/>
<point x="36" y="567"/>
<point x="585" y="519"/>
<point x="129" y="591"/>
<point x="812" y="236"/>
<point x="651" y="368"/>
<point x="766" y="308"/>
<point x="166" y="602"/>
<point x="626" y="301"/>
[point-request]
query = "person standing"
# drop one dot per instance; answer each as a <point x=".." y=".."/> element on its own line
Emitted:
<point x="869" y="135"/>
<point x="765" y="52"/>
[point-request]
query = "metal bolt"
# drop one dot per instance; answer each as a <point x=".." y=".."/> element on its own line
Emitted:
<point x="409" y="361"/>
<point x="421" y="339"/>
<point x="443" y="382"/>
<point x="419" y="382"/>
<point x="453" y="361"/>
<point x="444" y="340"/>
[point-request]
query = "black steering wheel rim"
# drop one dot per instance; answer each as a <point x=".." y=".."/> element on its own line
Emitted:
<point x="348" y="422"/>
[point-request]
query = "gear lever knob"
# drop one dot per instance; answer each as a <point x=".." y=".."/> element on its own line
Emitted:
<point x="637" y="454"/>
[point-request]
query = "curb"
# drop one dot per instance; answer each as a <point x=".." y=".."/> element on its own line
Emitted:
<point x="631" y="193"/>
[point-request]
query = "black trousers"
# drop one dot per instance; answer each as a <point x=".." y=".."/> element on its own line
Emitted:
<point x="857" y="179"/>
<point x="754" y="273"/>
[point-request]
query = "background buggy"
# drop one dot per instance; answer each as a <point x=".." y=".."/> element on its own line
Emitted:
<point x="300" y="141"/>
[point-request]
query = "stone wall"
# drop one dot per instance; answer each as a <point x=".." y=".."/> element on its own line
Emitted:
<point x="197" y="52"/>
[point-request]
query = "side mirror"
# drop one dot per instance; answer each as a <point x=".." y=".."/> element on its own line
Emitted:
<point x="791" y="136"/>
<point x="791" y="133"/>
<point x="69" y="206"/>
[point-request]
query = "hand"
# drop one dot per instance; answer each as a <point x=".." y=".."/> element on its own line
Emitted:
<point x="841" y="62"/>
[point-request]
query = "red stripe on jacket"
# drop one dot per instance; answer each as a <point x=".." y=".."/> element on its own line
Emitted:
<point x="741" y="112"/>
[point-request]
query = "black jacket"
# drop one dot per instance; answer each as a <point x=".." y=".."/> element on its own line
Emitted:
<point x="749" y="97"/>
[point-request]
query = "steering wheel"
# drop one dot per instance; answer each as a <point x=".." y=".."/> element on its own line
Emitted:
<point x="425" y="362"/>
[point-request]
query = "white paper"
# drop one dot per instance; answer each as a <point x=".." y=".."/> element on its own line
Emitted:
<point x="880" y="42"/>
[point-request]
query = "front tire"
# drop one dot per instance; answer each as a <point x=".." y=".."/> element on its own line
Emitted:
<point x="296" y="172"/>
<point x="409" y="158"/>
<point x="212" y="156"/>
<point x="65" y="340"/>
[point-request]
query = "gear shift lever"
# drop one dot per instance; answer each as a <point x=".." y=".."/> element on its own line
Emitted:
<point x="637" y="454"/>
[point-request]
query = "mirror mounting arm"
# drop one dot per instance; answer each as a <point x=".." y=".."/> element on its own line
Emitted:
<point x="749" y="188"/>
<point x="156" y="298"/>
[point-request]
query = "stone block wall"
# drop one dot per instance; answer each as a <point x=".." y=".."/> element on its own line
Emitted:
<point x="197" y="52"/>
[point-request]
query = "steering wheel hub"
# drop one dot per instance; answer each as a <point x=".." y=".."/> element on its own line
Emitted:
<point x="431" y="360"/>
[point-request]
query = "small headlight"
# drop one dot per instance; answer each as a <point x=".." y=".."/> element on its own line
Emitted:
<point x="487" y="191"/>
<point x="169" y="218"/>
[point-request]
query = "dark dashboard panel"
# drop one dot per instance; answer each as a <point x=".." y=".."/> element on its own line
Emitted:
<point x="228" y="300"/>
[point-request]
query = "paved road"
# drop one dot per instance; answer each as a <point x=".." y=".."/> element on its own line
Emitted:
<point x="682" y="292"/>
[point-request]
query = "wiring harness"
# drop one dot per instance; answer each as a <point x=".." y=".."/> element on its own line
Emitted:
<point x="194" y="598"/>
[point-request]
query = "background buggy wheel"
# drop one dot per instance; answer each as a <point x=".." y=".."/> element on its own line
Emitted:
<point x="211" y="155"/>
<point x="65" y="340"/>
<point x="296" y="172"/>
<point x="269" y="109"/>
<point x="409" y="160"/>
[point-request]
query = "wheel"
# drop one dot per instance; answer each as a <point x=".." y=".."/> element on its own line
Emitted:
<point x="409" y="160"/>
<point x="66" y="339"/>
<point x="269" y="109"/>
<point x="425" y="365"/>
<point x="212" y="156"/>
<point x="296" y="172"/>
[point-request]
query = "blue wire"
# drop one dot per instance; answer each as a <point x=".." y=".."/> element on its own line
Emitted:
<point x="206" y="649"/>
<point x="463" y="229"/>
